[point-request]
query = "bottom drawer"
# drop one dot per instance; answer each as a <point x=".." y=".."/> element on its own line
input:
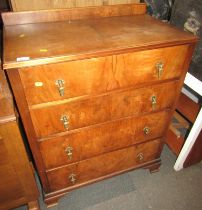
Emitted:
<point x="91" y="169"/>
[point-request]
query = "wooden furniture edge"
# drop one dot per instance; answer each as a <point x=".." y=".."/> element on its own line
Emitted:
<point x="15" y="147"/>
<point x="6" y="95"/>
<point x="181" y="82"/>
<point x="33" y="205"/>
<point x="26" y="177"/>
<point x="190" y="110"/>
<point x="174" y="142"/>
<point x="66" y="58"/>
<point x="7" y="119"/>
<point x="17" y="18"/>
<point x="22" y="104"/>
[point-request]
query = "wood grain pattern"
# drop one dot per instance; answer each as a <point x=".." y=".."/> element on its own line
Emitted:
<point x="97" y="110"/>
<point x="23" y="109"/>
<point x="89" y="170"/>
<point x="17" y="183"/>
<point x="8" y="178"/>
<point x="16" y="18"/>
<point x="81" y="78"/>
<point x="176" y="146"/>
<point x="46" y="43"/>
<point x="95" y="141"/>
<point x="25" y="5"/>
<point x="6" y="101"/>
<point x="99" y="75"/>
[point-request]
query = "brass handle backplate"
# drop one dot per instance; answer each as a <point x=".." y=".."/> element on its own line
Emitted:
<point x="160" y="68"/>
<point x="69" y="152"/>
<point x="140" y="156"/>
<point x="72" y="178"/>
<point x="60" y="84"/>
<point x="146" y="131"/>
<point x="154" y="102"/>
<point x="65" y="120"/>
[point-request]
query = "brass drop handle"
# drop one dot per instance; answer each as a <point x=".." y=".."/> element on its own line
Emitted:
<point x="146" y="131"/>
<point x="65" y="120"/>
<point x="154" y="102"/>
<point x="69" y="152"/>
<point x="159" y="67"/>
<point x="140" y="156"/>
<point x="72" y="178"/>
<point x="60" y="84"/>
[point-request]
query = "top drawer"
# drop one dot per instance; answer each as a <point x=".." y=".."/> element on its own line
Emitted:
<point x="97" y="75"/>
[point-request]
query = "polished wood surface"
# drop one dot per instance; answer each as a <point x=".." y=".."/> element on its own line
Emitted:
<point x="25" y="5"/>
<point x="99" y="75"/>
<point x="17" y="183"/>
<point x="16" y="18"/>
<point x="6" y="102"/>
<point x="96" y="110"/>
<point x="95" y="141"/>
<point x="174" y="140"/>
<point x="44" y="43"/>
<point x="89" y="170"/>
<point x="24" y="112"/>
<point x="80" y="77"/>
<point x="8" y="178"/>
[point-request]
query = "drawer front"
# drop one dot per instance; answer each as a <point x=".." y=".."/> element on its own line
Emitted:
<point x="77" y="114"/>
<point x="93" y="76"/>
<point x="101" y="139"/>
<point x="103" y="165"/>
<point x="150" y="65"/>
<point x="77" y="78"/>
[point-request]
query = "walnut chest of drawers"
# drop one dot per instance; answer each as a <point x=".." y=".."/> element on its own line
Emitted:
<point x="96" y="89"/>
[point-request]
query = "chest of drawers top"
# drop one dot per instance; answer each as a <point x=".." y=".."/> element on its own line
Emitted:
<point x="50" y="36"/>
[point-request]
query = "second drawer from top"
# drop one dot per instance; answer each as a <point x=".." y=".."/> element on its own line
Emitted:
<point x="72" y="115"/>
